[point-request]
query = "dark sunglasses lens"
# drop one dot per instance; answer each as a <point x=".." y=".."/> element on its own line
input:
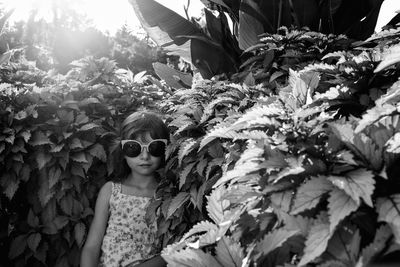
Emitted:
<point x="157" y="148"/>
<point x="132" y="149"/>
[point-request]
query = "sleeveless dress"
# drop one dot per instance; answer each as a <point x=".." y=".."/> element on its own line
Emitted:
<point x="128" y="238"/>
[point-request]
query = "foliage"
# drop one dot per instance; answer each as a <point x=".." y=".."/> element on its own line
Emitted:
<point x="297" y="166"/>
<point x="217" y="48"/>
<point x="211" y="55"/>
<point x="55" y="136"/>
<point x="303" y="173"/>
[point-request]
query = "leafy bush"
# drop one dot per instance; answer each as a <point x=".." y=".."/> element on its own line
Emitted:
<point x="303" y="173"/>
<point x="55" y="136"/>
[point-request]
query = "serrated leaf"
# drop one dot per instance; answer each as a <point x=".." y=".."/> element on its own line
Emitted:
<point x="372" y="115"/>
<point x="33" y="241"/>
<point x="177" y="202"/>
<point x="39" y="138"/>
<point x="299" y="223"/>
<point x="79" y="233"/>
<point x="357" y="184"/>
<point x="390" y="57"/>
<point x="274" y="240"/>
<point x="44" y="192"/>
<point x="249" y="162"/>
<point x="317" y="239"/>
<point x="393" y="144"/>
<point x="345" y="244"/>
<point x="185" y="172"/>
<point x="340" y="206"/>
<point x="98" y="151"/>
<point x="66" y="204"/>
<point x="388" y="209"/>
<point x="369" y="252"/>
<point x="88" y="127"/>
<point x="333" y="263"/>
<point x="26" y="135"/>
<point x="218" y="132"/>
<point x="11" y="187"/>
<point x="79" y="157"/>
<point x="151" y="211"/>
<point x="186" y="148"/>
<point x="18" y="246"/>
<point x="190" y="258"/>
<point x="295" y="166"/>
<point x="56" y="148"/>
<point x="216" y="205"/>
<point x="75" y="144"/>
<point x="229" y="253"/>
<point x="204" y="226"/>
<point x="32" y="220"/>
<point x="42" y="159"/>
<point x="54" y="176"/>
<point x="310" y="193"/>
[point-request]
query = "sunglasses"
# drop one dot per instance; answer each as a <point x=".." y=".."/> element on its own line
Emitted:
<point x="133" y="148"/>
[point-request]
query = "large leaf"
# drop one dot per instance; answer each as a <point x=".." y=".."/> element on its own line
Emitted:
<point x="181" y="37"/>
<point x="310" y="193"/>
<point x="381" y="237"/>
<point x="249" y="26"/>
<point x="190" y="258"/>
<point x="388" y="209"/>
<point x="216" y="205"/>
<point x="174" y="78"/>
<point x="177" y="202"/>
<point x="357" y="184"/>
<point x="229" y="253"/>
<point x="275" y="239"/>
<point x="356" y="18"/>
<point x="340" y="206"/>
<point x="317" y="240"/>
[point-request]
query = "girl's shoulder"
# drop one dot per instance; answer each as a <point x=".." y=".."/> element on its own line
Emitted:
<point x="107" y="188"/>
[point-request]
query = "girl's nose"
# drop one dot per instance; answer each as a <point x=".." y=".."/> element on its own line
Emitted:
<point x="145" y="154"/>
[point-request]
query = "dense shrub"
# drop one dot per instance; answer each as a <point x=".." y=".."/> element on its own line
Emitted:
<point x="55" y="136"/>
<point x="302" y="172"/>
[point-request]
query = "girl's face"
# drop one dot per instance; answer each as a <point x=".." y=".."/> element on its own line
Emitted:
<point x="144" y="164"/>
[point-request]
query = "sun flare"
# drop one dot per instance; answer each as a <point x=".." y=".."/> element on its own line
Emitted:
<point x="106" y="15"/>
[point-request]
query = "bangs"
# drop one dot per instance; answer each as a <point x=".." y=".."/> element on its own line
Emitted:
<point x="149" y="123"/>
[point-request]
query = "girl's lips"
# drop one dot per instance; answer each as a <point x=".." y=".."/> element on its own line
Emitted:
<point x="145" y="165"/>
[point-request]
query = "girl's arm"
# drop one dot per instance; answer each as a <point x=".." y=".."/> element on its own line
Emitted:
<point x="91" y="249"/>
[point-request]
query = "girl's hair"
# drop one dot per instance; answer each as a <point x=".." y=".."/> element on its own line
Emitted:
<point x="136" y="124"/>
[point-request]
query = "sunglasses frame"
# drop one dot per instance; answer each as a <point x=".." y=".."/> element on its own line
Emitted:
<point x="142" y="146"/>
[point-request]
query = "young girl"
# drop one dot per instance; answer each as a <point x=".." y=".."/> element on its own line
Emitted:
<point x="119" y="235"/>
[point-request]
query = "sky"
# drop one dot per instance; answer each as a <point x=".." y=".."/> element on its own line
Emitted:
<point x="107" y="15"/>
<point x="110" y="15"/>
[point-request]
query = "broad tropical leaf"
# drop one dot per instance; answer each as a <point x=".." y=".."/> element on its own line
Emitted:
<point x="181" y="37"/>
<point x="174" y="78"/>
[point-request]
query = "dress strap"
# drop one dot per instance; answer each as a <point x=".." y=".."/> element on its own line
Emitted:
<point x="116" y="188"/>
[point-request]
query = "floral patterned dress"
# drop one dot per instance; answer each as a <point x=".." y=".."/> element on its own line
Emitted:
<point x="128" y="239"/>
